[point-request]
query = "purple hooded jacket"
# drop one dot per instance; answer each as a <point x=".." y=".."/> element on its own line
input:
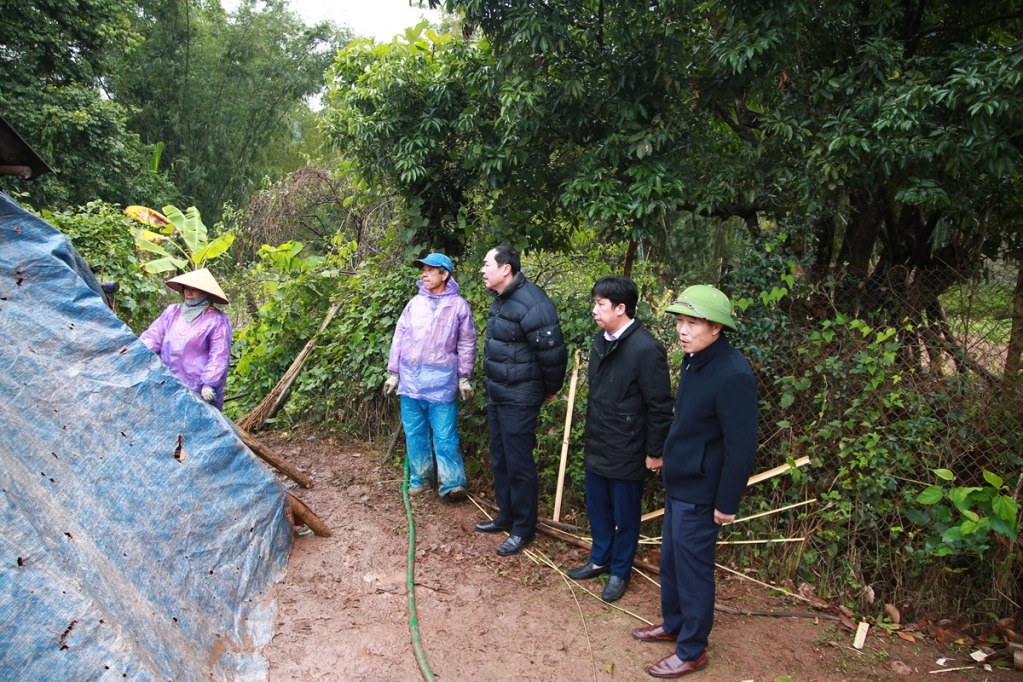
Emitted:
<point x="198" y="354"/>
<point x="434" y="345"/>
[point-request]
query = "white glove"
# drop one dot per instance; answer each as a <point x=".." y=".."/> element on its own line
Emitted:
<point x="390" y="384"/>
<point x="465" y="389"/>
<point x="208" y="394"/>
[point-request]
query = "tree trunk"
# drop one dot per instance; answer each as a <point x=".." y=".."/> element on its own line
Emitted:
<point x="1013" y="355"/>
<point x="630" y="258"/>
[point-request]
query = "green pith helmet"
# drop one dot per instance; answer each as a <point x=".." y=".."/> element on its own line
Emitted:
<point x="706" y="303"/>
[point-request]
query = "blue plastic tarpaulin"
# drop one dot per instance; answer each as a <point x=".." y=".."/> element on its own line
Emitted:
<point x="118" y="559"/>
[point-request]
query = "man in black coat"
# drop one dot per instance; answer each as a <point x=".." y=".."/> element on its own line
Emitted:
<point x="708" y="457"/>
<point x="628" y="415"/>
<point x="524" y="361"/>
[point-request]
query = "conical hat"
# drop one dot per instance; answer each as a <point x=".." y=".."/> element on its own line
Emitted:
<point x="201" y="280"/>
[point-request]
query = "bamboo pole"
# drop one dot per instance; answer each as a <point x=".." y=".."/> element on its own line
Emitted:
<point x="568" y="434"/>
<point x="272" y="458"/>
<point x="763" y="476"/>
<point x="764" y="541"/>
<point x="303" y="514"/>
<point x="774" y="511"/>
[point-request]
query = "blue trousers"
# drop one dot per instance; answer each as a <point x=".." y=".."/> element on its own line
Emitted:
<point x="418" y="418"/>
<point x="611" y="503"/>
<point x="516" y="484"/>
<point x="687" y="575"/>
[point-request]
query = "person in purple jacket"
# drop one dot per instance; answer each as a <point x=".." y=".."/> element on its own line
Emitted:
<point x="193" y="338"/>
<point x="432" y="357"/>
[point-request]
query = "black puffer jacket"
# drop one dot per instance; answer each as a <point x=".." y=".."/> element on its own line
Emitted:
<point x="628" y="412"/>
<point x="524" y="354"/>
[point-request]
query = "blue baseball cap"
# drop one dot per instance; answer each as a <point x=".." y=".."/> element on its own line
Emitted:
<point x="437" y="260"/>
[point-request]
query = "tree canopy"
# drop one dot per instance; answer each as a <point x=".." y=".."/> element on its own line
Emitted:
<point x="881" y="137"/>
<point x="54" y="58"/>
<point x="218" y="89"/>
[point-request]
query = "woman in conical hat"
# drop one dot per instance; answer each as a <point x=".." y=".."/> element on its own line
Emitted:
<point x="193" y="338"/>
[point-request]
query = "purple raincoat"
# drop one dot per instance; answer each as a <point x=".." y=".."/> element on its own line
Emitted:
<point x="434" y="345"/>
<point x="198" y="354"/>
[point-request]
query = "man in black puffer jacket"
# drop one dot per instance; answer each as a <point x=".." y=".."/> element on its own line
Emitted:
<point x="628" y="415"/>
<point x="524" y="360"/>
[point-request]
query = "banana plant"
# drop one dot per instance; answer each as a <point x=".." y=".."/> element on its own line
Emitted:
<point x="180" y="240"/>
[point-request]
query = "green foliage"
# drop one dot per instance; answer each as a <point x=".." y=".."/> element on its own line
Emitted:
<point x="219" y="90"/>
<point x="296" y="290"/>
<point x="186" y="234"/>
<point x="102" y="234"/>
<point x="982" y="509"/>
<point x="53" y="57"/>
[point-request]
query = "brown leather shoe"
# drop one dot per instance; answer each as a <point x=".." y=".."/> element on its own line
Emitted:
<point x="653" y="633"/>
<point x="673" y="666"/>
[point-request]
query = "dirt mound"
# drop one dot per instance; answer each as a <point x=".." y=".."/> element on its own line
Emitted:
<point x="344" y="606"/>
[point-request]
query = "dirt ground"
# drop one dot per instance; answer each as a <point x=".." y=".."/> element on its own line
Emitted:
<point x="343" y="611"/>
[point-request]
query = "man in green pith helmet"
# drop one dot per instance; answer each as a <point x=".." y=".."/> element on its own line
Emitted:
<point x="707" y="461"/>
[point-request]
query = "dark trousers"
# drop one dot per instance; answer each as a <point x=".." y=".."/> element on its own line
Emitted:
<point x="611" y="503"/>
<point x="687" y="574"/>
<point x="516" y="485"/>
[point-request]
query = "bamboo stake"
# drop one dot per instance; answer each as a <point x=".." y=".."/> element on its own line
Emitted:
<point x="774" y="511"/>
<point x="771" y="473"/>
<point x="763" y="476"/>
<point x="765" y="541"/>
<point x="568" y="433"/>
<point x="770" y="541"/>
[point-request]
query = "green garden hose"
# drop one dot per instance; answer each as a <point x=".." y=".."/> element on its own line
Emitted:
<point x="413" y="621"/>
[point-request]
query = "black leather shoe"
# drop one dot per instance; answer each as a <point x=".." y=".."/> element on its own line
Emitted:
<point x="587" y="571"/>
<point x="490" y="527"/>
<point x="614" y="589"/>
<point x="514" y="544"/>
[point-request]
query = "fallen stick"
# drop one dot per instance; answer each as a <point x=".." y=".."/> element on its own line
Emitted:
<point x="572" y="540"/>
<point x="771" y="473"/>
<point x="304" y="515"/>
<point x="273" y="459"/>
<point x="765" y="541"/>
<point x="763" y="476"/>
<point x="774" y="614"/>
<point x="769" y="541"/>
<point x="650" y="568"/>
<point x="818" y="604"/>
<point x="564" y="440"/>
<point x="567" y="527"/>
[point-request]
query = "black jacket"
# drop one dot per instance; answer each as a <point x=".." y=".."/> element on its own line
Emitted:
<point x="524" y="354"/>
<point x="712" y="443"/>
<point x="628" y="412"/>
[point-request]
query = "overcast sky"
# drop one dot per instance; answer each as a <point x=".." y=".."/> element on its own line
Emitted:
<point x="380" y="19"/>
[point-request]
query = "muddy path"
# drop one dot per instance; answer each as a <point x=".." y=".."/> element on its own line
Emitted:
<point x="343" y="608"/>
